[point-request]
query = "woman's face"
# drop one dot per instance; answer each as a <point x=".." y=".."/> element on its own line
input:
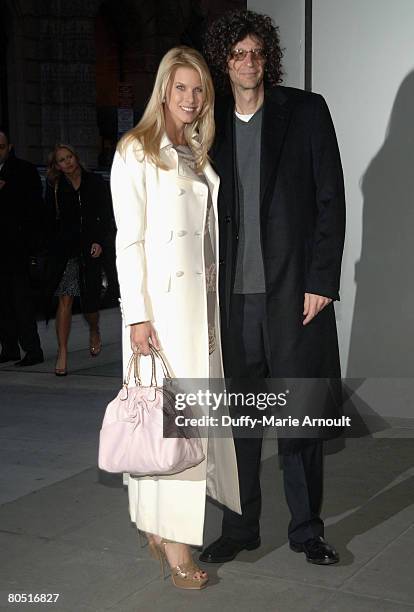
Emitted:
<point x="184" y="97"/>
<point x="66" y="162"/>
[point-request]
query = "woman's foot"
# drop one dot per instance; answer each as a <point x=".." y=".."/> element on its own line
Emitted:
<point x="95" y="342"/>
<point x="185" y="573"/>
<point x="61" y="364"/>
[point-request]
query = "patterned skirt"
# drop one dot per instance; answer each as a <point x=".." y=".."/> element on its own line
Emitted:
<point x="69" y="283"/>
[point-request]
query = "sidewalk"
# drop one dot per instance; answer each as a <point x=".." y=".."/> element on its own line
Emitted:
<point x="64" y="526"/>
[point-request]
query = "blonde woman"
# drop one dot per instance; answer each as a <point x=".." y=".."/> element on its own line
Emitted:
<point x="165" y="201"/>
<point x="78" y="206"/>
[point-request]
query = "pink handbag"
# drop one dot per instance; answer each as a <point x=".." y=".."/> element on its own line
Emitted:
<point x="131" y="438"/>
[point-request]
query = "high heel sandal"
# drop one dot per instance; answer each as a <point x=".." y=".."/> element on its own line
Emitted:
<point x="182" y="575"/>
<point x="95" y="349"/>
<point x="60" y="371"/>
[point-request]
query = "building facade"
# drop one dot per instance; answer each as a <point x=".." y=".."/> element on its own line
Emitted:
<point x="66" y="68"/>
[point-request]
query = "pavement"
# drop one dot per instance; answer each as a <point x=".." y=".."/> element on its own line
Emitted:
<point x="65" y="529"/>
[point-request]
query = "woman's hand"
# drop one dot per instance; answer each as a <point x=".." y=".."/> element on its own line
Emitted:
<point x="96" y="249"/>
<point x="141" y="334"/>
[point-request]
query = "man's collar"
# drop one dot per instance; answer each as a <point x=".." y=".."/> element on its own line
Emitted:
<point x="275" y="94"/>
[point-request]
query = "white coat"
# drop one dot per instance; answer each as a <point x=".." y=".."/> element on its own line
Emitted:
<point x="160" y="217"/>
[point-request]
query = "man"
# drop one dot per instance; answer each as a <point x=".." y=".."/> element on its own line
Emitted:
<point x="282" y="217"/>
<point x="20" y="222"/>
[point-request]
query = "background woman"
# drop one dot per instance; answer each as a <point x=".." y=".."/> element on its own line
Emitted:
<point x="165" y="201"/>
<point x="78" y="204"/>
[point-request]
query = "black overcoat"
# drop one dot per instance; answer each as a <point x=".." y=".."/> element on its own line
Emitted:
<point x="21" y="212"/>
<point x="93" y="207"/>
<point x="302" y="223"/>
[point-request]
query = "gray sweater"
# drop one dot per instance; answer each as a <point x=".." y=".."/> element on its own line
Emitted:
<point x="249" y="267"/>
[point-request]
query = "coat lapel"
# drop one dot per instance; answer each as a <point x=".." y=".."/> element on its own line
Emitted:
<point x="172" y="157"/>
<point x="183" y="170"/>
<point x="276" y="116"/>
<point x="213" y="183"/>
<point x="223" y="155"/>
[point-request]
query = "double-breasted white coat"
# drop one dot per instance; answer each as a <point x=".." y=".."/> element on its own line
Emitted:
<point x="160" y="217"/>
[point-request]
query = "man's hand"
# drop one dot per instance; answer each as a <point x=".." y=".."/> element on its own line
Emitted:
<point x="141" y="334"/>
<point x="96" y="250"/>
<point x="313" y="304"/>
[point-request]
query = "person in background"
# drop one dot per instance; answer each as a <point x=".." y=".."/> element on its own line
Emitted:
<point x="78" y="205"/>
<point x="21" y="222"/>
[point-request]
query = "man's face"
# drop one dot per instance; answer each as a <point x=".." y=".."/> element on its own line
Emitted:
<point x="247" y="73"/>
<point x="5" y="148"/>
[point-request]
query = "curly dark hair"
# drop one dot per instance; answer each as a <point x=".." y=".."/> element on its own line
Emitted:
<point x="231" y="28"/>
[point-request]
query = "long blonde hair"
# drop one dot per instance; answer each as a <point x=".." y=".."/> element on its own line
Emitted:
<point x="199" y="135"/>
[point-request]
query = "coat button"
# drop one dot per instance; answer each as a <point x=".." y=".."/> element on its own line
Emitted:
<point x="237" y="236"/>
<point x="199" y="273"/>
<point x="221" y="261"/>
<point x="227" y="219"/>
<point x="179" y="273"/>
<point x="181" y="233"/>
<point x="197" y="233"/>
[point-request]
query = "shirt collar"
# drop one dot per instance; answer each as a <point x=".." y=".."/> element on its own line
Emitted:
<point x="165" y="142"/>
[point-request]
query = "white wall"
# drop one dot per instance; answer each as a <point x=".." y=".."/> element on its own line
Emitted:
<point x="289" y="15"/>
<point x="363" y="63"/>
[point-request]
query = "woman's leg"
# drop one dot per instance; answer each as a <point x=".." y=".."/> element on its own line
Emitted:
<point x="95" y="343"/>
<point x="63" y="322"/>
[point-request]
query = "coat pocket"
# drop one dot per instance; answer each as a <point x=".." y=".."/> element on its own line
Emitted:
<point x="168" y="236"/>
<point x="167" y="282"/>
<point x="159" y="279"/>
<point x="168" y="239"/>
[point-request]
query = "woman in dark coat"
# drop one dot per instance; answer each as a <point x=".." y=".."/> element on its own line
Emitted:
<point x="78" y="204"/>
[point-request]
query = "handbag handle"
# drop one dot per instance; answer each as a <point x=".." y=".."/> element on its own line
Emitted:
<point x="128" y="372"/>
<point x="164" y="366"/>
<point x="134" y="362"/>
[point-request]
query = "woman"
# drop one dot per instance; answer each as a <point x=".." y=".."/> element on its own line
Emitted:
<point x="165" y="201"/>
<point x="78" y="204"/>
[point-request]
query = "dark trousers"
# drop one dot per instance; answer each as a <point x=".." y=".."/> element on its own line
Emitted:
<point x="17" y="311"/>
<point x="247" y="355"/>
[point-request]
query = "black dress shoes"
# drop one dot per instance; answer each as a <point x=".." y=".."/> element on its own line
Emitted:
<point x="226" y="549"/>
<point x="316" y="550"/>
<point x="6" y="356"/>
<point x="30" y="359"/>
